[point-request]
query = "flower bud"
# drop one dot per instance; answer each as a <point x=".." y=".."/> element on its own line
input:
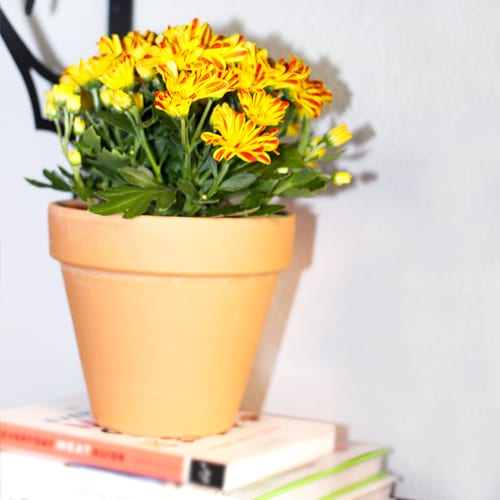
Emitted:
<point x="51" y="110"/>
<point x="116" y="99"/>
<point x="139" y="101"/>
<point x="341" y="178"/>
<point x="338" y="136"/>
<point x="74" y="158"/>
<point x="73" y="103"/>
<point x="79" y="126"/>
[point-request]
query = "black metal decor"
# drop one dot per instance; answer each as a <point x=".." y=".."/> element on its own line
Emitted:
<point x="120" y="16"/>
<point x="119" y="22"/>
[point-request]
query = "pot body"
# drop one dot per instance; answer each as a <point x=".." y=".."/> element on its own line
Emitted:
<point x="168" y="313"/>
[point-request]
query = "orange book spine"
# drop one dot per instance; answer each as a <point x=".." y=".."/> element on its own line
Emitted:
<point x="92" y="452"/>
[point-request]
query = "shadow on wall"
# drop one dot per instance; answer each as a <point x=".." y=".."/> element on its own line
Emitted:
<point x="282" y="304"/>
<point x="49" y="56"/>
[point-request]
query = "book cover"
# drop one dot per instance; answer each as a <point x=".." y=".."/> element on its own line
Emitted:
<point x="356" y="473"/>
<point x="257" y="446"/>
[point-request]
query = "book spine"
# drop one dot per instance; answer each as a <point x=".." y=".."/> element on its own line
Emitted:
<point x="92" y="452"/>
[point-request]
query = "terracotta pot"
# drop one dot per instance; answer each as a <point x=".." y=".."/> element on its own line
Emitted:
<point x="168" y="312"/>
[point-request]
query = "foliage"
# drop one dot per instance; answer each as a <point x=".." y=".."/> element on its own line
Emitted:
<point x="190" y="123"/>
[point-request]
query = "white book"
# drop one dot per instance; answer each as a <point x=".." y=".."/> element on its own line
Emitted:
<point x="256" y="447"/>
<point x="356" y="473"/>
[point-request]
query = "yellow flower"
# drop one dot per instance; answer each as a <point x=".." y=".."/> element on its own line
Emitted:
<point x="338" y="135"/>
<point x="121" y="75"/>
<point x="183" y="88"/>
<point x="289" y="74"/>
<point x="133" y="44"/>
<point x="293" y="129"/>
<point x="239" y="137"/>
<point x="226" y="51"/>
<point x="310" y="96"/>
<point x="257" y="70"/>
<point x="184" y="45"/>
<point x="74" y="158"/>
<point x="89" y="70"/>
<point x="262" y="108"/>
<point x="139" y="47"/>
<point x="172" y="104"/>
<point x="341" y="178"/>
<point x="60" y="92"/>
<point x="191" y="34"/>
<point x="116" y="99"/>
<point x="110" y="45"/>
<point x="254" y="69"/>
<point x="64" y="96"/>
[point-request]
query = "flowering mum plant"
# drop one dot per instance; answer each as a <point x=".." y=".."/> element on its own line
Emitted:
<point x="189" y="123"/>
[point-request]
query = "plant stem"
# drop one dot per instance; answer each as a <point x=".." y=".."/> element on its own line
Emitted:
<point x="199" y="127"/>
<point x="101" y="128"/>
<point x="220" y="176"/>
<point x="95" y="99"/>
<point x="141" y="137"/>
<point x="64" y="140"/>
<point x="186" y="147"/>
<point x="305" y="134"/>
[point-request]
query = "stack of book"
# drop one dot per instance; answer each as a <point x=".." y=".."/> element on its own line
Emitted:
<point x="57" y="452"/>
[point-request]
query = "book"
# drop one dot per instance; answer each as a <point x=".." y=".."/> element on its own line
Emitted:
<point x="355" y="473"/>
<point x="337" y="475"/>
<point x="257" y="446"/>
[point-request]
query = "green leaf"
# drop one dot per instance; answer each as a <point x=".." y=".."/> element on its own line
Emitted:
<point x="187" y="188"/>
<point x="165" y="199"/>
<point x="113" y="158"/>
<point x="66" y="173"/>
<point x="298" y="179"/>
<point x="238" y="182"/>
<point x="289" y="157"/>
<point x="266" y="186"/>
<point x="55" y="182"/>
<point x="132" y="201"/>
<point x="141" y="176"/>
<point x="270" y="210"/>
<point x="333" y="156"/>
<point x="108" y="163"/>
<point x="117" y="120"/>
<point x="231" y="211"/>
<point x="91" y="140"/>
<point x="304" y="182"/>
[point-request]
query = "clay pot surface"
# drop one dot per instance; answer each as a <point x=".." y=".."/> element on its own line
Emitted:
<point x="168" y="312"/>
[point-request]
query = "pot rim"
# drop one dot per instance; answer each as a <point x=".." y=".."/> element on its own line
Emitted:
<point x="170" y="245"/>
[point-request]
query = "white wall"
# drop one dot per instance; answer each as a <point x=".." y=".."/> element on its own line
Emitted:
<point x="388" y="320"/>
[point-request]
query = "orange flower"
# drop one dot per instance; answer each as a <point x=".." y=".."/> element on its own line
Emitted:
<point x="310" y="97"/>
<point x="239" y="137"/>
<point x="121" y="75"/>
<point x="185" y="87"/>
<point x="262" y="108"/>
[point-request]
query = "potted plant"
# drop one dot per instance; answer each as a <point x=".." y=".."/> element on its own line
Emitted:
<point x="184" y="140"/>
